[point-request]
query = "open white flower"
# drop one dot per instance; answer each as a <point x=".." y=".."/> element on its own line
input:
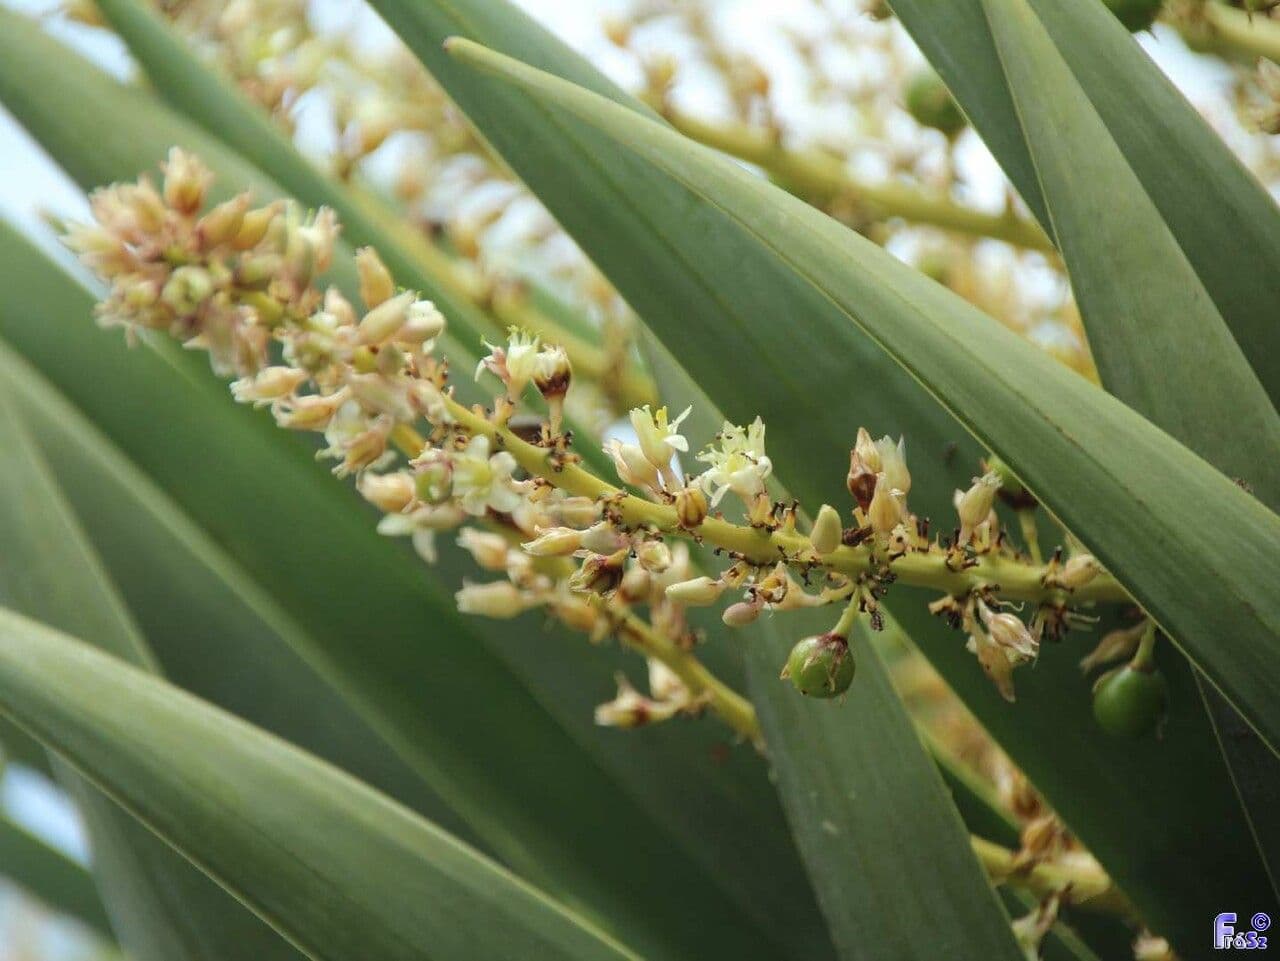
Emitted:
<point x="422" y="525"/>
<point x="482" y="481"/>
<point x="737" y="462"/>
<point x="515" y="364"/>
<point x="659" y="438"/>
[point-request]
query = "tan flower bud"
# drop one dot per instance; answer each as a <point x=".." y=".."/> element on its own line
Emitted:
<point x="552" y="373"/>
<point x="554" y="542"/>
<point x="698" y="592"/>
<point x="1078" y="571"/>
<point x="267" y="385"/>
<point x="577" y="512"/>
<point x="312" y="412"/>
<point x="602" y="538"/>
<point x="974" y="505"/>
<point x="424" y="323"/>
<point x="221" y="224"/>
<point x="827" y="531"/>
<point x="488" y="549"/>
<point x="691" y="507"/>
<point x="883" y="514"/>
<point x="498" y="599"/>
<point x="577" y="613"/>
<point x="893" y="462"/>
<point x="741" y="614"/>
<point x="376" y="284"/>
<point x="867" y="451"/>
<point x="391" y="493"/>
<point x="384" y="321"/>
<point x="254" y="226"/>
<point x="654" y="556"/>
<point x="185" y="181"/>
<point x="599" y="574"/>
<point x="186" y="289"/>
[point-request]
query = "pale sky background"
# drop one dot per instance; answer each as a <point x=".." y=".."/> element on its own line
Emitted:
<point x="30" y="182"/>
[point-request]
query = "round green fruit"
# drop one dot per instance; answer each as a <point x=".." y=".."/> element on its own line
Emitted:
<point x="1129" y="702"/>
<point x="821" y="666"/>
<point x="1135" y="14"/>
<point x="931" y="103"/>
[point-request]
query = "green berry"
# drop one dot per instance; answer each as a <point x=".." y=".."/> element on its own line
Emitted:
<point x="931" y="103"/>
<point x="1129" y="702"/>
<point x="821" y="666"/>
<point x="1135" y="14"/>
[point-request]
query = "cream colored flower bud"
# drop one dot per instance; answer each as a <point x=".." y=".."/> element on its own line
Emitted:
<point x="632" y="466"/>
<point x="254" y="226"/>
<point x="553" y="372"/>
<point x="602" y="538"/>
<point x="636" y="585"/>
<point x="632" y="709"/>
<point x="868" y="451"/>
<point x="221" y="224"/>
<point x="893" y="462"/>
<point x="267" y="385"/>
<point x="391" y="493"/>
<point x="654" y="556"/>
<point x="975" y="504"/>
<point x="599" y="574"/>
<point x="1010" y="634"/>
<point x="185" y="181"/>
<point x="1078" y="571"/>
<point x="827" y="531"/>
<point x="883" y="514"/>
<point x="577" y="613"/>
<point x="577" y="512"/>
<point x="698" y="592"/>
<point x="487" y="548"/>
<point x="384" y="321"/>
<point x="741" y="614"/>
<point x="424" y="323"/>
<point x="691" y="507"/>
<point x="554" y="542"/>
<point x="312" y="412"/>
<point x="498" y="599"/>
<point x="186" y="289"/>
<point x="665" y="684"/>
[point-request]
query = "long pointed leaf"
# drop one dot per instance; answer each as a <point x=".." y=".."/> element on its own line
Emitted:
<point x="776" y="249"/>
<point x="1225" y="222"/>
<point x="162" y="908"/>
<point x="102" y="132"/>
<point x="1156" y="335"/>
<point x="530" y="790"/>
<point x="214" y="631"/>
<point x="340" y="870"/>
<point x="48" y="875"/>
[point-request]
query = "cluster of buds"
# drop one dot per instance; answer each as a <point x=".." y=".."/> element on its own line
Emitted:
<point x="241" y="282"/>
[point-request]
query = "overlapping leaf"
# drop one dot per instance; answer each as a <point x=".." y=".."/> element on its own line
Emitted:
<point x="340" y="870"/>
<point x="723" y="815"/>
<point x="703" y="221"/>
<point x="1156" y="334"/>
<point x="1225" y="223"/>
<point x="162" y="908"/>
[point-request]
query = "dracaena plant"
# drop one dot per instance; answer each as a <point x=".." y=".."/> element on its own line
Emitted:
<point x="929" y="641"/>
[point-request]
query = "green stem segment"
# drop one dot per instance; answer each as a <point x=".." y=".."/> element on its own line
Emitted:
<point x="734" y="709"/>
<point x="821" y="177"/>
<point x="1016" y="580"/>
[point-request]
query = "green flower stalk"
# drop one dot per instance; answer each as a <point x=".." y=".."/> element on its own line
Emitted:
<point x="242" y="284"/>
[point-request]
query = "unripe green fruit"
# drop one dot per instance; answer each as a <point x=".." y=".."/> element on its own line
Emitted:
<point x="1135" y="14"/>
<point x="931" y="103"/>
<point x="1129" y="702"/>
<point x="821" y="666"/>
